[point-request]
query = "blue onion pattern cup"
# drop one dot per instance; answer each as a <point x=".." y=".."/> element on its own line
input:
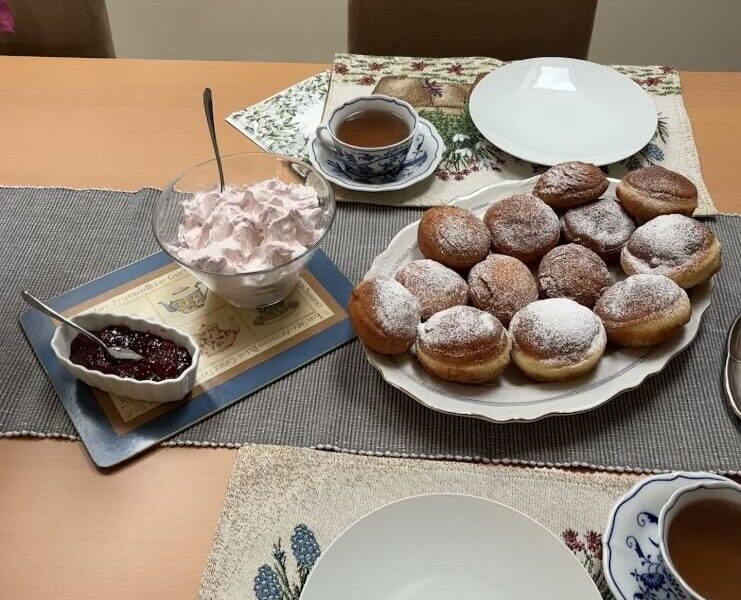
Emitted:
<point x="368" y="164"/>
<point x="725" y="490"/>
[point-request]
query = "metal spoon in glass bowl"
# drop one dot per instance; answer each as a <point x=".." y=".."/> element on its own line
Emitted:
<point x="116" y="352"/>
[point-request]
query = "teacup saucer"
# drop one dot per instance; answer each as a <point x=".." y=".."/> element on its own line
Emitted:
<point x="631" y="560"/>
<point x="423" y="158"/>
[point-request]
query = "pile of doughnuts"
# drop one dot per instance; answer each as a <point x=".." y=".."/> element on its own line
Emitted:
<point x="501" y="288"/>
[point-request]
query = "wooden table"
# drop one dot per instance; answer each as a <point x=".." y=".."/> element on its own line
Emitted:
<point x="66" y="530"/>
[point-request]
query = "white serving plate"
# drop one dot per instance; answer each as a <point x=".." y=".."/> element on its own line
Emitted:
<point x="447" y="547"/>
<point x="512" y="396"/>
<point x="552" y="110"/>
<point x="168" y="390"/>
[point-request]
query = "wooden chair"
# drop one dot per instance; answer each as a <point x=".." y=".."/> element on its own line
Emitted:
<point x="59" y="28"/>
<point x="504" y="29"/>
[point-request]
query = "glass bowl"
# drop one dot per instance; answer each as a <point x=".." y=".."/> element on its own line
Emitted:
<point x="251" y="289"/>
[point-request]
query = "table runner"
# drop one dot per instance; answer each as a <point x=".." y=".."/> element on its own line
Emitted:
<point x="283" y="507"/>
<point x="55" y="239"/>
<point x="439" y="89"/>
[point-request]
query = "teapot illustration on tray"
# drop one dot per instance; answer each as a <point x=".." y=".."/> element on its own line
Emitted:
<point x="189" y="303"/>
<point x="214" y="339"/>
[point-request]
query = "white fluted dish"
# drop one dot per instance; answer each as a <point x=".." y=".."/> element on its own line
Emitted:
<point x="512" y="396"/>
<point x="167" y="390"/>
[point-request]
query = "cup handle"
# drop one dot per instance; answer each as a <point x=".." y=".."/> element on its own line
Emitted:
<point x="325" y="138"/>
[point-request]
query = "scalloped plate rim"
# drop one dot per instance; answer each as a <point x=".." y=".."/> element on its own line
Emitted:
<point x="394" y="376"/>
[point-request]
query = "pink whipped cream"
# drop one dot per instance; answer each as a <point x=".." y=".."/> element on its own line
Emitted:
<point x="248" y="229"/>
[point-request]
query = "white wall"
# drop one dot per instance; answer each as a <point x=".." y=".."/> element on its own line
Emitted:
<point x="689" y="34"/>
<point x="699" y="35"/>
<point x="265" y="30"/>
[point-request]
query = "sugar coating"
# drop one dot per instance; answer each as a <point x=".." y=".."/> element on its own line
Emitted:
<point x="557" y="328"/>
<point x="522" y="224"/>
<point x="459" y="328"/>
<point x="396" y="309"/>
<point x="435" y="286"/>
<point x="502" y="285"/>
<point x="571" y="178"/>
<point x="661" y="183"/>
<point x="603" y="222"/>
<point x="668" y="241"/>
<point x="460" y="231"/>
<point x="641" y="295"/>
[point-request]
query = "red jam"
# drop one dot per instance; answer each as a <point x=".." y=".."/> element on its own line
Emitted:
<point x="163" y="359"/>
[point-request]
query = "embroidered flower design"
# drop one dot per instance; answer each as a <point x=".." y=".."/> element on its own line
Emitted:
<point x="418" y="65"/>
<point x="376" y="66"/>
<point x="432" y="88"/>
<point x="457" y="69"/>
<point x="304" y="546"/>
<point x="594" y="543"/>
<point x="341" y="68"/>
<point x="273" y="582"/>
<point x="267" y="586"/>
<point x="367" y="80"/>
<point x="572" y="541"/>
<point x="588" y="549"/>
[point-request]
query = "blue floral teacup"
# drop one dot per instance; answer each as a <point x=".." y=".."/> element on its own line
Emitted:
<point x="368" y="164"/>
<point x="726" y="491"/>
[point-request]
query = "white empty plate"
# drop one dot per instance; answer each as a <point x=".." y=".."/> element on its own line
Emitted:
<point x="553" y="110"/>
<point x="447" y="547"/>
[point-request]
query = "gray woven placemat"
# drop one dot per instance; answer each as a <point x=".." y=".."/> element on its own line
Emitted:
<point x="55" y="239"/>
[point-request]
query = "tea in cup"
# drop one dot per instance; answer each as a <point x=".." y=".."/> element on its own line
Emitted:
<point x="700" y="539"/>
<point x="370" y="136"/>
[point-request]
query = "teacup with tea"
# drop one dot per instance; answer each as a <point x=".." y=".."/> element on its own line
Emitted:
<point x="370" y="136"/>
<point x="700" y="539"/>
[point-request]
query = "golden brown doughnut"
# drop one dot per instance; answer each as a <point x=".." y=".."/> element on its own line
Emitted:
<point x="522" y="226"/>
<point x="570" y="184"/>
<point x="385" y="315"/>
<point x="501" y="285"/>
<point x="575" y="272"/>
<point x="602" y="226"/>
<point x="643" y="310"/>
<point x="435" y="286"/>
<point x="679" y="247"/>
<point x="463" y="344"/>
<point x="556" y="339"/>
<point x="652" y="191"/>
<point x="453" y="236"/>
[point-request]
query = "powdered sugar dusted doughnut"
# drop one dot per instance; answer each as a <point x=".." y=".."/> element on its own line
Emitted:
<point x="556" y="339"/>
<point x="522" y="226"/>
<point x="575" y="272"/>
<point x="385" y="315"/>
<point x="652" y="191"/>
<point x="501" y="285"/>
<point x="463" y="344"/>
<point x="434" y="285"/>
<point x="679" y="247"/>
<point x="570" y="184"/>
<point x="453" y="236"/>
<point x="602" y="226"/>
<point x="643" y="310"/>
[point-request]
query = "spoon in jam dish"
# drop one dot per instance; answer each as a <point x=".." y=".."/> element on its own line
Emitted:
<point x="116" y="352"/>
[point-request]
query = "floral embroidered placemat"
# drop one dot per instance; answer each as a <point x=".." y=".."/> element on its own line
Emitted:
<point x="439" y="89"/>
<point x="284" y="506"/>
